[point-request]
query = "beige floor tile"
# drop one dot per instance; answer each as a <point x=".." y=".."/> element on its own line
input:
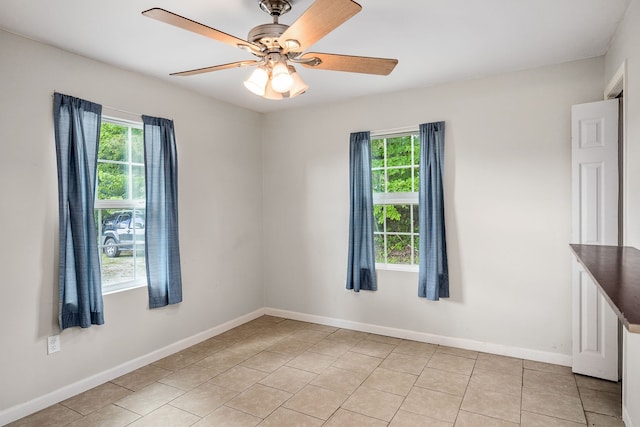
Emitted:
<point x="109" y="416"/>
<point x="248" y="349"/>
<point x="443" y="381"/>
<point x="266" y="361"/>
<point x="140" y="378"/>
<point x="288" y="379"/>
<point x="204" y="399"/>
<point x="446" y="362"/>
<point x="228" y="417"/>
<point x="498" y="381"/>
<point x="373" y="348"/>
<point x="492" y="404"/>
<point x="167" y="416"/>
<point x="331" y="348"/>
<point x="323" y="328"/>
<point x="96" y="398"/>
<point x="357" y="362"/>
<point x="601" y="402"/>
<point x="344" y="418"/>
<point x="208" y="347"/>
<point x="469" y="419"/>
<point x="348" y="336"/>
<point x="432" y="404"/>
<point x="308" y="335"/>
<point x="547" y="367"/>
<point x="259" y="400"/>
<point x="283" y="417"/>
<point x="289" y="346"/>
<point x="312" y="362"/>
<point x="529" y="419"/>
<point x="374" y="403"/>
<point x="553" y="405"/>
<point x="316" y="401"/>
<point x="233" y="335"/>
<point x="179" y="360"/>
<point x="384" y="339"/>
<point x="415" y="348"/>
<point x="221" y="361"/>
<point x="460" y="352"/>
<point x="547" y="381"/>
<point x="598" y="384"/>
<point x="395" y="382"/>
<point x="409" y="419"/>
<point x="405" y="363"/>
<point x="149" y="398"/>
<point x="337" y="379"/>
<point x="53" y="416"/>
<point x="600" y="420"/>
<point x="187" y="378"/>
<point x="238" y="378"/>
<point x="494" y="362"/>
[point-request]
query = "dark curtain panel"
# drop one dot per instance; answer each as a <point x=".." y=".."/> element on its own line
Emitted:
<point x="361" y="269"/>
<point x="164" y="279"/>
<point x="433" y="278"/>
<point x="77" y="134"/>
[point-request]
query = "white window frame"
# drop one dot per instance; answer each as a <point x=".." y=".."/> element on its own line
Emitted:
<point x="397" y="198"/>
<point x="120" y="204"/>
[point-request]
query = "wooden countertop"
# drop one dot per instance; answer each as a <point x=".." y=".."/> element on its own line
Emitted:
<point x="616" y="270"/>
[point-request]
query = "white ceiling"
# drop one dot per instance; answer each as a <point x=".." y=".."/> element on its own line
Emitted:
<point x="435" y="41"/>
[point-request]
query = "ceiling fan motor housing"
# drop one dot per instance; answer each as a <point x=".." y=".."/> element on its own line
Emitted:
<point x="275" y="7"/>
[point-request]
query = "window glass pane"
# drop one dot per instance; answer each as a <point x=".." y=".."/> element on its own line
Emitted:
<point x="398" y="218"/>
<point x="137" y="146"/>
<point x="113" y="142"/>
<point x="378" y="181"/>
<point x="121" y="234"/>
<point x="378" y="218"/>
<point x="138" y="183"/>
<point x="416" y="219"/>
<point x="378" y="242"/>
<point x="399" y="151"/>
<point x="398" y="249"/>
<point x="416" y="179"/>
<point x="416" y="246"/>
<point x="416" y="150"/>
<point x="112" y="181"/>
<point x="399" y="180"/>
<point x="377" y="153"/>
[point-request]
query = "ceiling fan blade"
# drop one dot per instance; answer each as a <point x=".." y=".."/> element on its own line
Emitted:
<point x="198" y="28"/>
<point x="320" y="19"/>
<point x="352" y="64"/>
<point x="216" y="68"/>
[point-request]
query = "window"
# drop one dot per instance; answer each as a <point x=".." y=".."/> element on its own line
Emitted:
<point x="395" y="167"/>
<point x="120" y="205"/>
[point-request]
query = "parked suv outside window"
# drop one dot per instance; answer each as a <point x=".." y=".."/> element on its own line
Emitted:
<point x="119" y="231"/>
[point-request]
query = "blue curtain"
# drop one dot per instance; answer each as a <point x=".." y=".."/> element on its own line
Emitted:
<point x="433" y="278"/>
<point x="77" y="133"/>
<point x="361" y="269"/>
<point x="164" y="279"/>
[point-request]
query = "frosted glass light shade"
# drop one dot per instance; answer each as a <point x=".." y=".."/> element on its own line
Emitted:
<point x="298" y="87"/>
<point x="281" y="80"/>
<point x="257" y="82"/>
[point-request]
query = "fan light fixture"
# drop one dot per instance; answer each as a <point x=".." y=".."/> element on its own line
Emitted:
<point x="276" y="80"/>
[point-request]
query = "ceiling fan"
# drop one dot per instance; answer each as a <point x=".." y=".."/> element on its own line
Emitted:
<point x="278" y="46"/>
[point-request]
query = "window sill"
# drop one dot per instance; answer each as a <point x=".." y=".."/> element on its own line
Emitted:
<point x="397" y="267"/>
<point x="122" y="287"/>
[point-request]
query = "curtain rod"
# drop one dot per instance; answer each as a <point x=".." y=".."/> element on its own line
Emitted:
<point x="110" y="108"/>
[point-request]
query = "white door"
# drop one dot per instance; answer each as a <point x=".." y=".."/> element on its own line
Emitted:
<point x="594" y="161"/>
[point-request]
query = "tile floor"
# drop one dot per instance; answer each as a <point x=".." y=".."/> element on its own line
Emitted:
<point x="278" y="372"/>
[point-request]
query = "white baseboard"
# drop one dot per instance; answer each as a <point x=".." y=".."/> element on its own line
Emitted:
<point x="503" y="350"/>
<point x="626" y="418"/>
<point x="39" y="403"/>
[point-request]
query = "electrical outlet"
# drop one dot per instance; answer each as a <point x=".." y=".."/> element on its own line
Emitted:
<point x="53" y="344"/>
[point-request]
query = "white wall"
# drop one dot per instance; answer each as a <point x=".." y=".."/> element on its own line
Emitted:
<point x="508" y="201"/>
<point x="626" y="48"/>
<point x="220" y="220"/>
